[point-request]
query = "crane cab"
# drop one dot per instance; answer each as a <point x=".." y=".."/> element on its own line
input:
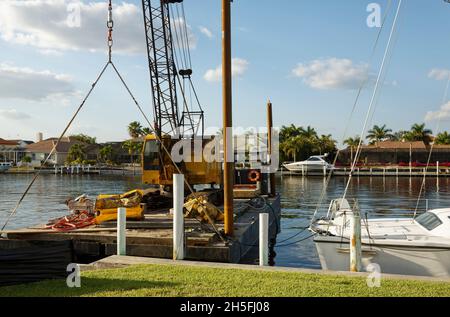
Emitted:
<point x="158" y="167"/>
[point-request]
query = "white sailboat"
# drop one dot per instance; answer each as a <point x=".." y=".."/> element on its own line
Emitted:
<point x="419" y="246"/>
<point x="410" y="246"/>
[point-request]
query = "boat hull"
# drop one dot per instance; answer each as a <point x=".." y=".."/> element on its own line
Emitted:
<point x="407" y="260"/>
<point x="307" y="168"/>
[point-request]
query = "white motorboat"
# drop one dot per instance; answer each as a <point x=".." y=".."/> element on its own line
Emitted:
<point x="419" y="246"/>
<point x="313" y="164"/>
<point x="4" y="166"/>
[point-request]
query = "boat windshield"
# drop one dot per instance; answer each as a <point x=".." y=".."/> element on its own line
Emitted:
<point x="429" y="221"/>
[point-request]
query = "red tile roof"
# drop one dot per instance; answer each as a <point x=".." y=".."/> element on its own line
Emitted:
<point x="400" y="145"/>
<point x="6" y="142"/>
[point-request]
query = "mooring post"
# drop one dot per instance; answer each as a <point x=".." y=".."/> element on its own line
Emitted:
<point x="355" y="242"/>
<point x="178" y="217"/>
<point x="437" y="169"/>
<point x="263" y="239"/>
<point x="121" y="231"/>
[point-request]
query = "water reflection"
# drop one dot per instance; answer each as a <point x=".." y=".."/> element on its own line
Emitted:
<point x="377" y="196"/>
<point x="46" y="198"/>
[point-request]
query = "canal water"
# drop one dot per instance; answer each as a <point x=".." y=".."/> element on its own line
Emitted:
<point x="377" y="196"/>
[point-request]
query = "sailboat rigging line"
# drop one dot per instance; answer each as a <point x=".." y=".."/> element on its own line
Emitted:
<point x="358" y="95"/>
<point x="375" y="91"/>
<point x="388" y="62"/>
<point x="366" y="221"/>
<point x="13" y="212"/>
<point x="296" y="242"/>
<point x="438" y="124"/>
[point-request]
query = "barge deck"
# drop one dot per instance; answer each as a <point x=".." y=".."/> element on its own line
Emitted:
<point x="152" y="237"/>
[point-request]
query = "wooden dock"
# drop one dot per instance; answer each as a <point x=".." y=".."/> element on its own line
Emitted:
<point x="152" y="237"/>
<point x="76" y="170"/>
<point x="385" y="171"/>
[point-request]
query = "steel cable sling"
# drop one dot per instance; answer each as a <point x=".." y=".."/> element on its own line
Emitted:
<point x="357" y="98"/>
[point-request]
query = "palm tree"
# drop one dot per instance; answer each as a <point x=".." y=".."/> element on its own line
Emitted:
<point x="146" y="131"/>
<point x="326" y="144"/>
<point x="135" y="129"/>
<point x="379" y="133"/>
<point x="398" y="136"/>
<point x="76" y="154"/>
<point x="309" y="132"/>
<point x="418" y="132"/>
<point x="84" y="138"/>
<point x="442" y="138"/>
<point x="132" y="147"/>
<point x="353" y="143"/>
<point x="290" y="148"/>
<point x="288" y="132"/>
<point x="105" y="153"/>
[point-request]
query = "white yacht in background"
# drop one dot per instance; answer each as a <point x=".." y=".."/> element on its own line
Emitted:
<point x="313" y="164"/>
<point x="4" y="166"/>
<point x="419" y="246"/>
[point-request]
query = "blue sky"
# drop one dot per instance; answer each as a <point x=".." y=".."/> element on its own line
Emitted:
<point x="307" y="56"/>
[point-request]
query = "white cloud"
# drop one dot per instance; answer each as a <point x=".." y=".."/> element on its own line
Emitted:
<point x="43" y="24"/>
<point x="332" y="73"/>
<point x="205" y="31"/>
<point x="13" y="114"/>
<point x="439" y="74"/>
<point x="239" y="67"/>
<point x="29" y="84"/>
<point x="442" y="114"/>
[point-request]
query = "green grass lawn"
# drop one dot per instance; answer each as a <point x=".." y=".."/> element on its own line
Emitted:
<point x="174" y="280"/>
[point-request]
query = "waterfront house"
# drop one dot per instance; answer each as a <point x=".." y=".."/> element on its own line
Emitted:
<point x="13" y="150"/>
<point x="40" y="150"/>
<point x="397" y="153"/>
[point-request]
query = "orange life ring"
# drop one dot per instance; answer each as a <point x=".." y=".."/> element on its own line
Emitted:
<point x="254" y="176"/>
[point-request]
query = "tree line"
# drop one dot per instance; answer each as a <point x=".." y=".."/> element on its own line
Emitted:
<point x="299" y="143"/>
<point x="77" y="152"/>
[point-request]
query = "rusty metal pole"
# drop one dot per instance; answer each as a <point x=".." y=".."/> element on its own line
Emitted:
<point x="270" y="150"/>
<point x="228" y="175"/>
